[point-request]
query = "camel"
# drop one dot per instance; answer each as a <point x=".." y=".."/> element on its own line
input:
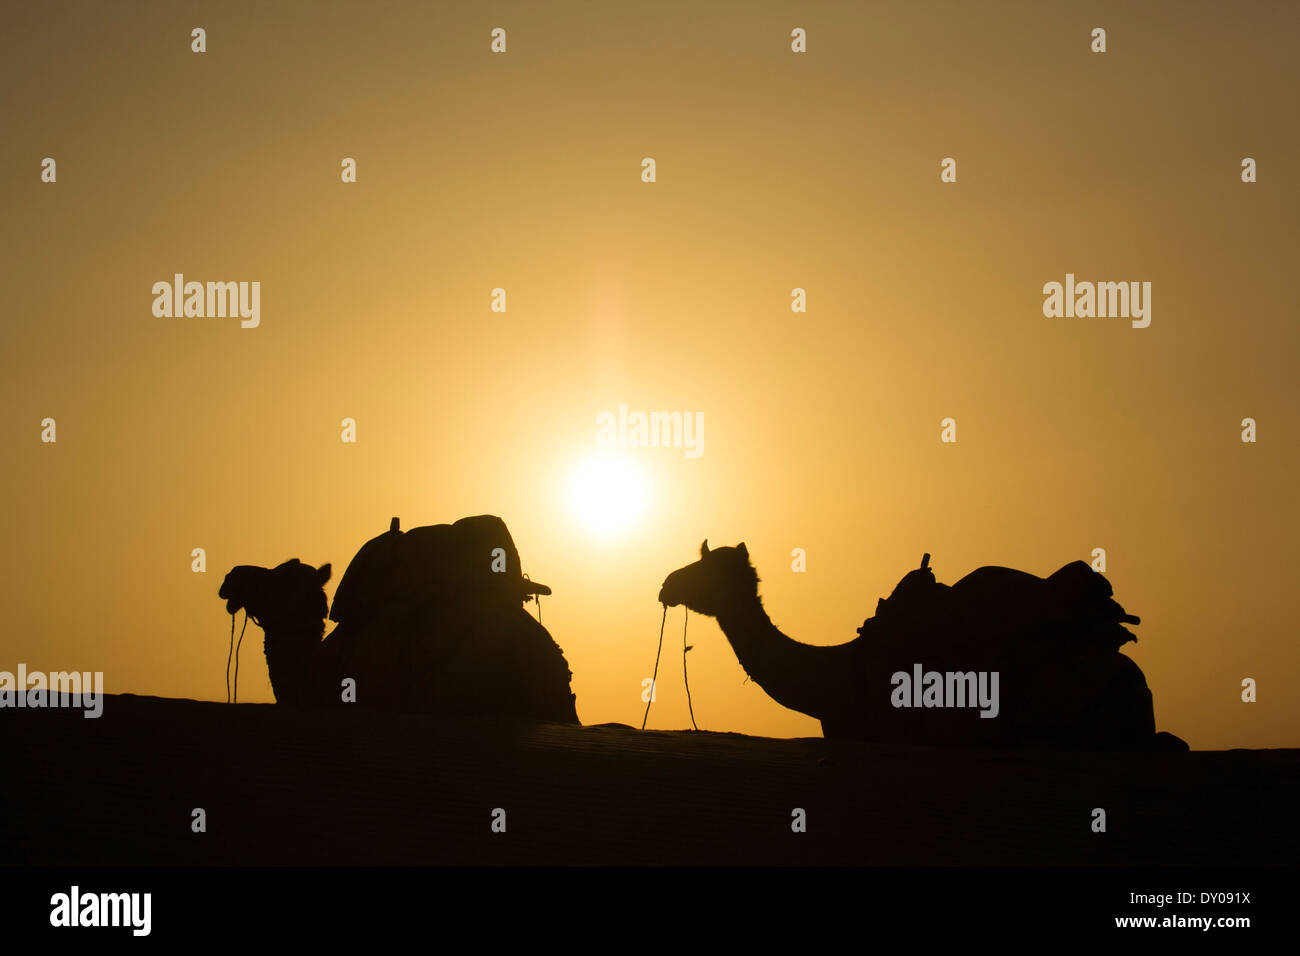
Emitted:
<point x="424" y="646"/>
<point x="1048" y="647"/>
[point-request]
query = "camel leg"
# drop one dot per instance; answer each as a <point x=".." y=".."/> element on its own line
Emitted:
<point x="1122" y="714"/>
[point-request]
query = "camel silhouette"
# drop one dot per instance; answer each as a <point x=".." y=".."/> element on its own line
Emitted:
<point x="430" y="621"/>
<point x="1052" y="643"/>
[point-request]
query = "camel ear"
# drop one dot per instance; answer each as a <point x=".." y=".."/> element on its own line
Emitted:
<point x="744" y="551"/>
<point x="704" y="549"/>
<point x="323" y="574"/>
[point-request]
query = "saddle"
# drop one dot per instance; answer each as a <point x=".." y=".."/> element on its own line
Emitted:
<point x="1075" y="603"/>
<point x="472" y="562"/>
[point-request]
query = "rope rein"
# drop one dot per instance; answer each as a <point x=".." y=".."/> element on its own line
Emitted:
<point x="234" y="652"/>
<point x="654" y="680"/>
<point x="230" y="654"/>
<point x="237" y="647"/>
<point x="686" y="677"/>
<point x="536" y="597"/>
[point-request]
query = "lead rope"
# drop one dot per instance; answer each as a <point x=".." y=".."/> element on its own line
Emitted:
<point x="655" y="679"/>
<point x="229" y="654"/>
<point x="651" y="698"/>
<point x="237" y="647"/>
<point x="234" y="652"/>
<point x="536" y="597"/>
<point x="685" y="677"/>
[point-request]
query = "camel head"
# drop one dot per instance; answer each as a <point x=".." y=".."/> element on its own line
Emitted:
<point x="279" y="597"/>
<point x="721" y="579"/>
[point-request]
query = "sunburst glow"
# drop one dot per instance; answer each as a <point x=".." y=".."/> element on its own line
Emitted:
<point x="608" y="495"/>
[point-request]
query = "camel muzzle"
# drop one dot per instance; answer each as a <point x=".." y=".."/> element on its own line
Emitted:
<point x="669" y="593"/>
<point x="231" y="592"/>
<point x="233" y="603"/>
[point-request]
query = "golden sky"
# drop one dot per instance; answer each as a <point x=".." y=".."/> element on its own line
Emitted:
<point x="774" y="171"/>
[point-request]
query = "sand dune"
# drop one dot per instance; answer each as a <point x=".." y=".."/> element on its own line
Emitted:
<point x="351" y="787"/>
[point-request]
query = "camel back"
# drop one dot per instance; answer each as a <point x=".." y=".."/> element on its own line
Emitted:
<point x="1074" y="603"/>
<point x="472" y="562"/>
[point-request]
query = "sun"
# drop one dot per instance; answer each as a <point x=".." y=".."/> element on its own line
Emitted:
<point x="608" y="494"/>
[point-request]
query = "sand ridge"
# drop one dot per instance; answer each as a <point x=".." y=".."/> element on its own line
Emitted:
<point x="344" y="786"/>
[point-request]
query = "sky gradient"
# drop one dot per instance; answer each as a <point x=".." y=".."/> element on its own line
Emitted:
<point x="774" y="171"/>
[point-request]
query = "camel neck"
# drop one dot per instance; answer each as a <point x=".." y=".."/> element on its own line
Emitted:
<point x="804" y="677"/>
<point x="771" y="659"/>
<point x="291" y="653"/>
<point x="746" y="619"/>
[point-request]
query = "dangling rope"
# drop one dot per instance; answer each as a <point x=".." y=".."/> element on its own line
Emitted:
<point x="237" y="647"/>
<point x="655" y="678"/>
<point x="536" y="597"/>
<point x="654" y="681"/>
<point x="234" y="652"/>
<point x="230" y="654"/>
<point x="685" y="677"/>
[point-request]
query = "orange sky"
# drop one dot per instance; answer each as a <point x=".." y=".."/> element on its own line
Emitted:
<point x="775" y="171"/>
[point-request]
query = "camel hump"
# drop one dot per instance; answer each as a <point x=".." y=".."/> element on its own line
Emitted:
<point x="492" y="559"/>
<point x="1001" y="582"/>
<point x="474" y="556"/>
<point x="473" y="560"/>
<point x="918" y="595"/>
<point x="366" y="582"/>
<point x="988" y="593"/>
<point x="1074" y="604"/>
<point x="1079" y="579"/>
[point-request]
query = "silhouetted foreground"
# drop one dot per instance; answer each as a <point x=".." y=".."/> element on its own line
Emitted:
<point x="430" y="620"/>
<point x="1002" y="658"/>
<point x="283" y="785"/>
